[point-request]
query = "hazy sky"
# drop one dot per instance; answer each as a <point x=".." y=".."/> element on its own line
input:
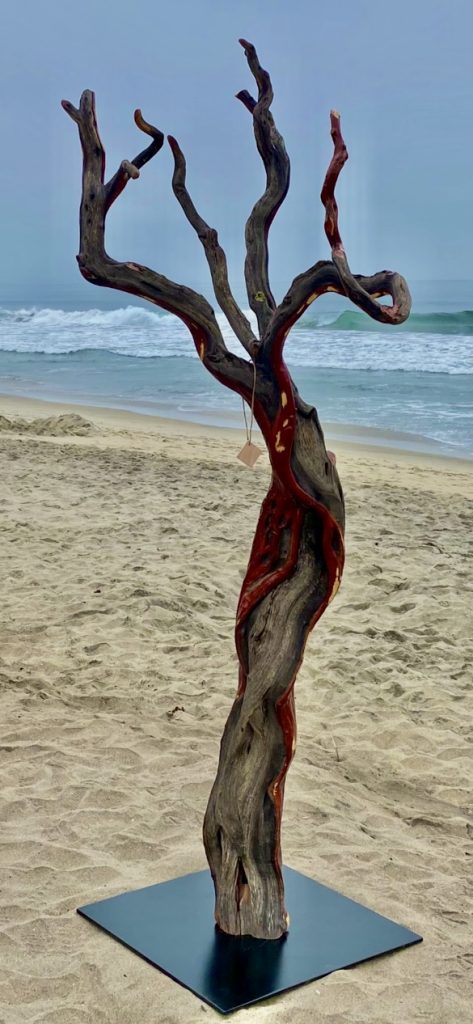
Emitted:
<point x="400" y="74"/>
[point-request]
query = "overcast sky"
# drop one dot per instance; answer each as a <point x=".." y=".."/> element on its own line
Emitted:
<point x="401" y="75"/>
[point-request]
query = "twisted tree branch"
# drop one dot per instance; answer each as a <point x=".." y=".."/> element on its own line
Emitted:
<point x="390" y="283"/>
<point x="335" y="275"/>
<point x="96" y="266"/>
<point x="131" y="169"/>
<point x="276" y="162"/>
<point x="216" y="258"/>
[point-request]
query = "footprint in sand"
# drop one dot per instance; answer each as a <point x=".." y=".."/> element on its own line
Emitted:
<point x="400" y="609"/>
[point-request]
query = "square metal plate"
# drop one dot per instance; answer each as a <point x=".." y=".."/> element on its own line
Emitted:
<point x="171" y="925"/>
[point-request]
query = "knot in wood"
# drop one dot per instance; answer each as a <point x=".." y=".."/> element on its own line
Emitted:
<point x="130" y="169"/>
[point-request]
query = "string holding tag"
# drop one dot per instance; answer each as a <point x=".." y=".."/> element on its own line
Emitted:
<point x="250" y="452"/>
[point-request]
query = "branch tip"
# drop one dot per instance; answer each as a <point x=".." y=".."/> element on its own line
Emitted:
<point x="148" y="128"/>
<point x="246" y="98"/>
<point x="87" y="102"/>
<point x="271" y="148"/>
<point x="70" y="109"/>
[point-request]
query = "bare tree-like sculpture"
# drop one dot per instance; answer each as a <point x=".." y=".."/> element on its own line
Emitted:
<point x="296" y="561"/>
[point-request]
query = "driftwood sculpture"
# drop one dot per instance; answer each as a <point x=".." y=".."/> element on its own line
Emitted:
<point x="296" y="561"/>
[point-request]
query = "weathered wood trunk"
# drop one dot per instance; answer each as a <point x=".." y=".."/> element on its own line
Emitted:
<point x="297" y="556"/>
<point x="295" y="564"/>
<point x="242" y="827"/>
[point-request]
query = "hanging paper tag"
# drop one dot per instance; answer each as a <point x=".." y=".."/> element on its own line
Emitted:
<point x="249" y="454"/>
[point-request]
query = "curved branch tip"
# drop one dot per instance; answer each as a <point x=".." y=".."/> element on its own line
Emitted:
<point x="336" y="133"/>
<point x="70" y="109"/>
<point x="146" y="127"/>
<point x="174" y="145"/>
<point x="180" y="168"/>
<point x="68" y="106"/>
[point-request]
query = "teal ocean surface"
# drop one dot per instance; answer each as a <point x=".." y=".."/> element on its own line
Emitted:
<point x="412" y="382"/>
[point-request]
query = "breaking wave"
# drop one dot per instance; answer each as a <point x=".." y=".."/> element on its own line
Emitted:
<point x="427" y="342"/>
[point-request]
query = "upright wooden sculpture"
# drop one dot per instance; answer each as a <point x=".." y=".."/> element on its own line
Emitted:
<point x="297" y="556"/>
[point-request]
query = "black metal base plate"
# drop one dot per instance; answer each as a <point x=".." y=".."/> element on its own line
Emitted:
<point x="171" y="925"/>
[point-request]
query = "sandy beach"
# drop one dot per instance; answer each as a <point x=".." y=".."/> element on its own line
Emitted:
<point x="125" y="540"/>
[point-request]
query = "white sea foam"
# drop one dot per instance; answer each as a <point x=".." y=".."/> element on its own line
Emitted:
<point x="322" y="341"/>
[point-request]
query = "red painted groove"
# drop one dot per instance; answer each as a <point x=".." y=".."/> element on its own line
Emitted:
<point x="278" y="512"/>
<point x="284" y="505"/>
<point x="334" y="561"/>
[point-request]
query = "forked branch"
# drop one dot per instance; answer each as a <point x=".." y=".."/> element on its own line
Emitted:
<point x="335" y="275"/>
<point x="97" y="267"/>
<point x="276" y="162"/>
<point x="389" y="284"/>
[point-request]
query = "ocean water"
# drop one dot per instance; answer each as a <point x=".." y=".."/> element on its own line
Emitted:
<point x="413" y="382"/>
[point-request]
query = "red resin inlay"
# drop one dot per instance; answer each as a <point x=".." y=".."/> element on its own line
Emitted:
<point x="283" y="509"/>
